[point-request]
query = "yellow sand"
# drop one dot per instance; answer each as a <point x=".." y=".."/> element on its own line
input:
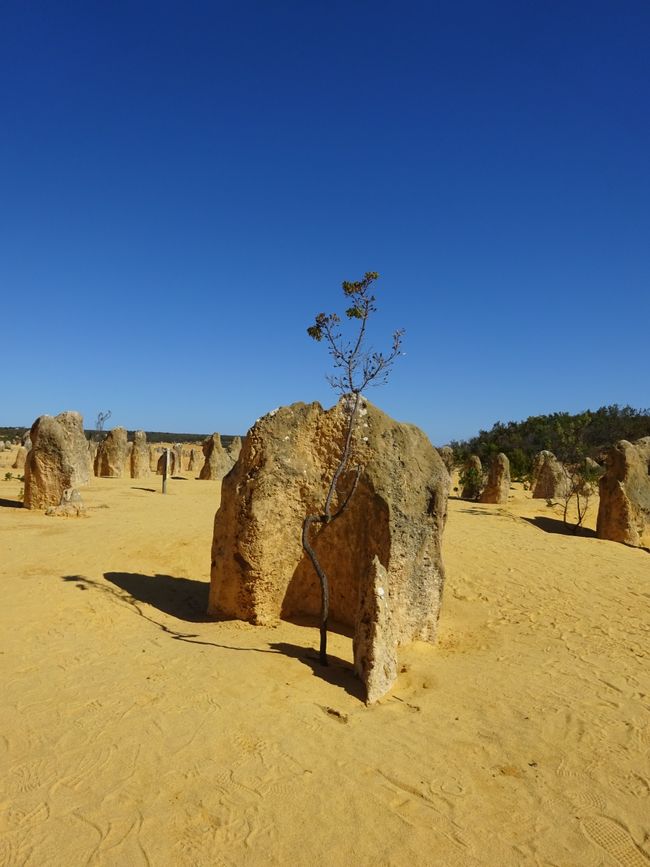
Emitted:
<point x="133" y="731"/>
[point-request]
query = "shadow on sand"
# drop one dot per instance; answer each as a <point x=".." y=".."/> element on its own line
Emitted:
<point x="187" y="600"/>
<point x="555" y="525"/>
<point x="11" y="504"/>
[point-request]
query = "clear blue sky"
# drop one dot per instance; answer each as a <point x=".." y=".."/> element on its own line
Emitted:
<point x="184" y="185"/>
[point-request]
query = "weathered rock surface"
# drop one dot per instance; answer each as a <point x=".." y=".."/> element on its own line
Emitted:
<point x="624" y="509"/>
<point x="260" y="571"/>
<point x="178" y="458"/>
<point x="19" y="460"/>
<point x="71" y="505"/>
<point x="447" y="455"/>
<point x="552" y="479"/>
<point x="191" y="461"/>
<point x="57" y="461"/>
<point x="234" y="449"/>
<point x="112" y="454"/>
<point x="171" y="469"/>
<point x="217" y="462"/>
<point x="497" y="488"/>
<point x="473" y="478"/>
<point x="140" y="456"/>
<point x="374" y="643"/>
<point x="154" y="454"/>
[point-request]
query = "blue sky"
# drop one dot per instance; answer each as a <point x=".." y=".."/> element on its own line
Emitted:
<point x="183" y="186"/>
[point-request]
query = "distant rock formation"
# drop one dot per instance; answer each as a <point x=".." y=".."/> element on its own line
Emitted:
<point x="551" y="478"/>
<point x="58" y="460"/>
<point x="387" y="541"/>
<point x="112" y="454"/>
<point x="140" y="456"/>
<point x="624" y="508"/>
<point x="473" y="478"/>
<point x="191" y="461"/>
<point x="497" y="488"/>
<point x="171" y="469"/>
<point x="217" y="462"/>
<point x="234" y="449"/>
<point x="447" y="455"/>
<point x="19" y="460"/>
<point x="178" y="456"/>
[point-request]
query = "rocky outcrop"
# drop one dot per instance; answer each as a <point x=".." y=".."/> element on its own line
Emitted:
<point x="472" y="478"/>
<point x="260" y="571"/>
<point x="497" y="488"/>
<point x="58" y="460"/>
<point x="551" y="478"/>
<point x="374" y="644"/>
<point x="624" y="508"/>
<point x="140" y="456"/>
<point x="217" y="462"/>
<point x="112" y="454"/>
<point x="171" y="469"/>
<point x="191" y="461"/>
<point x="447" y="455"/>
<point x="19" y="460"/>
<point x="71" y="505"/>
<point x="234" y="449"/>
<point x="178" y="458"/>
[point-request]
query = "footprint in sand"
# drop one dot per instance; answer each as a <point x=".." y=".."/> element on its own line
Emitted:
<point x="615" y="840"/>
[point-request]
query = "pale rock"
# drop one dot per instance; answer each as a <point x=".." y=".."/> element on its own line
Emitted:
<point x="57" y="461"/>
<point x="624" y="508"/>
<point x="397" y="514"/>
<point x="497" y="488"/>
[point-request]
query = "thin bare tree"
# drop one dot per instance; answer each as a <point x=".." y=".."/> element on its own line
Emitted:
<point x="355" y="369"/>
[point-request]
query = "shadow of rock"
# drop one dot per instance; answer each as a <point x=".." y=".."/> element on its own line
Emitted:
<point x="337" y="672"/>
<point x="11" y="504"/>
<point x="183" y="598"/>
<point x="555" y="525"/>
<point x="150" y="490"/>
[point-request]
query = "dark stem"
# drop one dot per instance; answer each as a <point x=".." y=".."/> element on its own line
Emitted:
<point x="327" y="518"/>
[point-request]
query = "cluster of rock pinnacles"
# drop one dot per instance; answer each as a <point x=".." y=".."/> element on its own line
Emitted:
<point x="382" y="556"/>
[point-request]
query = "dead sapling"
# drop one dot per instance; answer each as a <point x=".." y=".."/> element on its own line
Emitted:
<point x="356" y="367"/>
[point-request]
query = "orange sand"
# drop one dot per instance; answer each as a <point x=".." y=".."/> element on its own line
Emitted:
<point x="135" y="732"/>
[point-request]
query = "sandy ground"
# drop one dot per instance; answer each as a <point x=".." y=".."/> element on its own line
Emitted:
<point x="135" y="732"/>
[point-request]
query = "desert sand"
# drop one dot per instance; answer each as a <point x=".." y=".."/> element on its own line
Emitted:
<point x="137" y="732"/>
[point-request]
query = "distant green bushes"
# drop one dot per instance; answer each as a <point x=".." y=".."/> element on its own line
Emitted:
<point x="566" y="435"/>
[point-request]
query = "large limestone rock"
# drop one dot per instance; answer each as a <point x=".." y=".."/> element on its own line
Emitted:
<point x="497" y="488"/>
<point x="112" y="454"/>
<point x="217" y="462"/>
<point x="260" y="571"/>
<point x="140" y="456"/>
<point x="473" y="478"/>
<point x="624" y="509"/>
<point x="58" y="460"/>
<point x="552" y="480"/>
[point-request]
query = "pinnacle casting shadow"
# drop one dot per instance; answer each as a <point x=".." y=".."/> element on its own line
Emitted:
<point x="338" y="672"/>
<point x="179" y="597"/>
<point x="182" y="598"/>
<point x="556" y="525"/>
